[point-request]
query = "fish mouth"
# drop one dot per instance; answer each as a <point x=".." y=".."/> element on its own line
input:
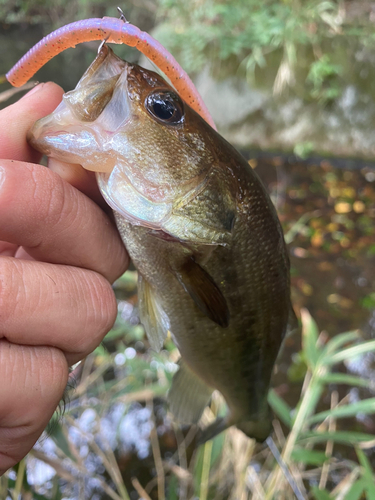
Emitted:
<point x="88" y="116"/>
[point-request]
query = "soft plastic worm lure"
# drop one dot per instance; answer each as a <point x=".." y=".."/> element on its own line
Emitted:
<point x="112" y="31"/>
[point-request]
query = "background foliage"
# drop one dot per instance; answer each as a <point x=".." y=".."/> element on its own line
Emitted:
<point x="240" y="35"/>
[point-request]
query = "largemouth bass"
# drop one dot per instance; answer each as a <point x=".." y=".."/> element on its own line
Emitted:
<point x="199" y="227"/>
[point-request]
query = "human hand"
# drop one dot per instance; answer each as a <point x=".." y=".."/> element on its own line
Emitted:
<point x="59" y="252"/>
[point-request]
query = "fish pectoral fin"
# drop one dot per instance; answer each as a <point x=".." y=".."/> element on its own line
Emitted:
<point x="153" y="317"/>
<point x="204" y="291"/>
<point x="188" y="396"/>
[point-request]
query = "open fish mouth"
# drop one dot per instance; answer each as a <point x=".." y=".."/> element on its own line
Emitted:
<point x="88" y="117"/>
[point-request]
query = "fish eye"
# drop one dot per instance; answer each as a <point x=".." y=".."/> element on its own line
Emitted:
<point x="165" y="106"/>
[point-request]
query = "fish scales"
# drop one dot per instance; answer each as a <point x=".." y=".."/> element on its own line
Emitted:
<point x="199" y="227"/>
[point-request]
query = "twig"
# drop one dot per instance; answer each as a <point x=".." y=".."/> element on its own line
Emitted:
<point x="55" y="463"/>
<point x="110" y="492"/>
<point x="139" y="489"/>
<point x="329" y="445"/>
<point x="275" y="452"/>
<point x="343" y="487"/>
<point x="108" y="458"/>
<point x="181" y="448"/>
<point x="254" y="484"/>
<point x="7" y="94"/>
<point x="157" y="458"/>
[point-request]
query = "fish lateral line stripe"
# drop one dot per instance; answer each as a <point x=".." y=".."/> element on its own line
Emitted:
<point x="115" y="31"/>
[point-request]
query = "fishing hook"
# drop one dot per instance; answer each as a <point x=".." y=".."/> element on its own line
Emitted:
<point x="122" y="15"/>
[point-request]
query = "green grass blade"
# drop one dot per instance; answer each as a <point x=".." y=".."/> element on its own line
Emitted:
<point x="356" y="490"/>
<point x="309" y="457"/>
<point x="60" y="440"/>
<point x="350" y="352"/>
<point x="345" y="437"/>
<point x="320" y="494"/>
<point x="310" y="335"/>
<point x="280" y="407"/>
<point x="307" y="405"/>
<point x="344" y="378"/>
<point x="368" y="473"/>
<point x="21" y="470"/>
<point x="207" y="456"/>
<point x="173" y="488"/>
<point x="367" y="406"/>
<point x="339" y="340"/>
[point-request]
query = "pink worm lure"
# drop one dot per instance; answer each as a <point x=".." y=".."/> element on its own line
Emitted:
<point x="112" y="31"/>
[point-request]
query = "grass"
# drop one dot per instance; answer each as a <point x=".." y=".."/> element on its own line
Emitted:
<point x="322" y="460"/>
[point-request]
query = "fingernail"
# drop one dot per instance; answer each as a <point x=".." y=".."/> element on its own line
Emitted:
<point x="33" y="90"/>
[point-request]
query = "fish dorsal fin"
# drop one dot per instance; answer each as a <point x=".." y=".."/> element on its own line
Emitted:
<point x="153" y="317"/>
<point x="204" y="291"/>
<point x="188" y="396"/>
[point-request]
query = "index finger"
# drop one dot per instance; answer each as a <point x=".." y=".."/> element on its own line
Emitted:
<point x="19" y="117"/>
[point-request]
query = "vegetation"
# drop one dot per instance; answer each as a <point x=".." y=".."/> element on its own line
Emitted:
<point x="82" y="458"/>
<point x="301" y="39"/>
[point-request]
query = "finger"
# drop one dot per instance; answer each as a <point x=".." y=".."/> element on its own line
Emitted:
<point x="19" y="117"/>
<point x="65" y="307"/>
<point x="81" y="179"/>
<point x="55" y="222"/>
<point x="8" y="249"/>
<point x="33" y="380"/>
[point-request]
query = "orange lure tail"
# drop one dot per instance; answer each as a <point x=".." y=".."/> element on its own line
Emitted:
<point x="113" y="31"/>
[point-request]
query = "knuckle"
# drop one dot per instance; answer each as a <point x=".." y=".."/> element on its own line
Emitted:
<point x="48" y="195"/>
<point x="101" y="311"/>
<point x="9" y="290"/>
<point x="104" y="305"/>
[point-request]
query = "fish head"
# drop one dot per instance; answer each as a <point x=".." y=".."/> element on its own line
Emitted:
<point x="152" y="153"/>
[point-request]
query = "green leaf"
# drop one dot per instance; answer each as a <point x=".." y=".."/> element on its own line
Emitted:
<point x="217" y="447"/>
<point x="368" y="474"/>
<point x="310" y="335"/>
<point x="356" y="490"/>
<point x="57" y="434"/>
<point x="350" y="352"/>
<point x="344" y="378"/>
<point x="280" y="407"/>
<point x="173" y="488"/>
<point x="309" y="457"/>
<point x="366" y="406"/>
<point x="307" y="404"/>
<point x="368" y="302"/>
<point x="345" y="437"/>
<point x="339" y="340"/>
<point x="102" y="351"/>
<point x="320" y="494"/>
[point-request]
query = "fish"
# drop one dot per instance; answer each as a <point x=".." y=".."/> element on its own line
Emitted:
<point x="199" y="227"/>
